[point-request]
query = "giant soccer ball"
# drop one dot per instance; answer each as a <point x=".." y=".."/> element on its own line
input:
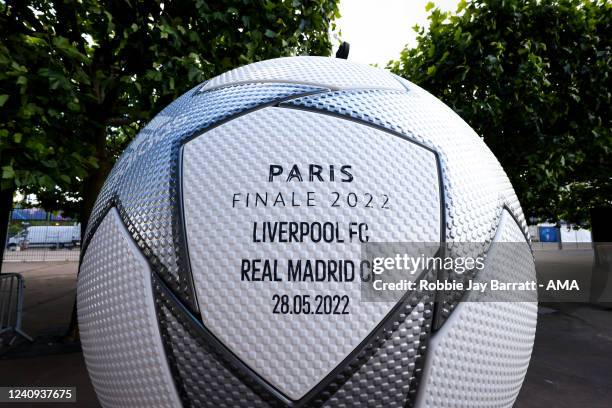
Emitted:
<point x="217" y="267"/>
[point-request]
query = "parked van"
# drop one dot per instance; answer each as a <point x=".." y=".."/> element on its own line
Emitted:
<point x="47" y="236"/>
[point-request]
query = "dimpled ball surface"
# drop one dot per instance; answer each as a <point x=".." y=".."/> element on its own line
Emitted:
<point x="169" y="319"/>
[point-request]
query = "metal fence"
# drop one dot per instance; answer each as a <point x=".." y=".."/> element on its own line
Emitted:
<point x="11" y="302"/>
<point x="35" y="235"/>
<point x="551" y="236"/>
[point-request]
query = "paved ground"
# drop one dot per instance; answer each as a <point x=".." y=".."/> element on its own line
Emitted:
<point x="49" y="295"/>
<point x="571" y="364"/>
<point x="48" y="300"/>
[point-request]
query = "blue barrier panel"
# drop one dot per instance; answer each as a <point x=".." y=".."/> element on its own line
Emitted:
<point x="549" y="234"/>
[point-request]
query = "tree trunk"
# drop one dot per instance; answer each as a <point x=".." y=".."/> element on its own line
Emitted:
<point x="601" y="234"/>
<point x="91" y="188"/>
<point x="94" y="181"/>
<point x="6" y="205"/>
<point x="601" y="224"/>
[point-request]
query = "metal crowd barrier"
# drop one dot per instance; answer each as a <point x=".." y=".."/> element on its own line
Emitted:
<point x="47" y="254"/>
<point x="11" y="302"/>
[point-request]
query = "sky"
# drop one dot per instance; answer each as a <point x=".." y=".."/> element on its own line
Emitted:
<point x="378" y="30"/>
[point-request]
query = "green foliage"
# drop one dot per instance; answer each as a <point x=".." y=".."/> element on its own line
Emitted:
<point x="533" y="79"/>
<point x="78" y="79"/>
<point x="30" y="154"/>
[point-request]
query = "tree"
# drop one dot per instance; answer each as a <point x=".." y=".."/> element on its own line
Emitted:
<point x="533" y="79"/>
<point x="32" y="116"/>
<point x="78" y="79"/>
